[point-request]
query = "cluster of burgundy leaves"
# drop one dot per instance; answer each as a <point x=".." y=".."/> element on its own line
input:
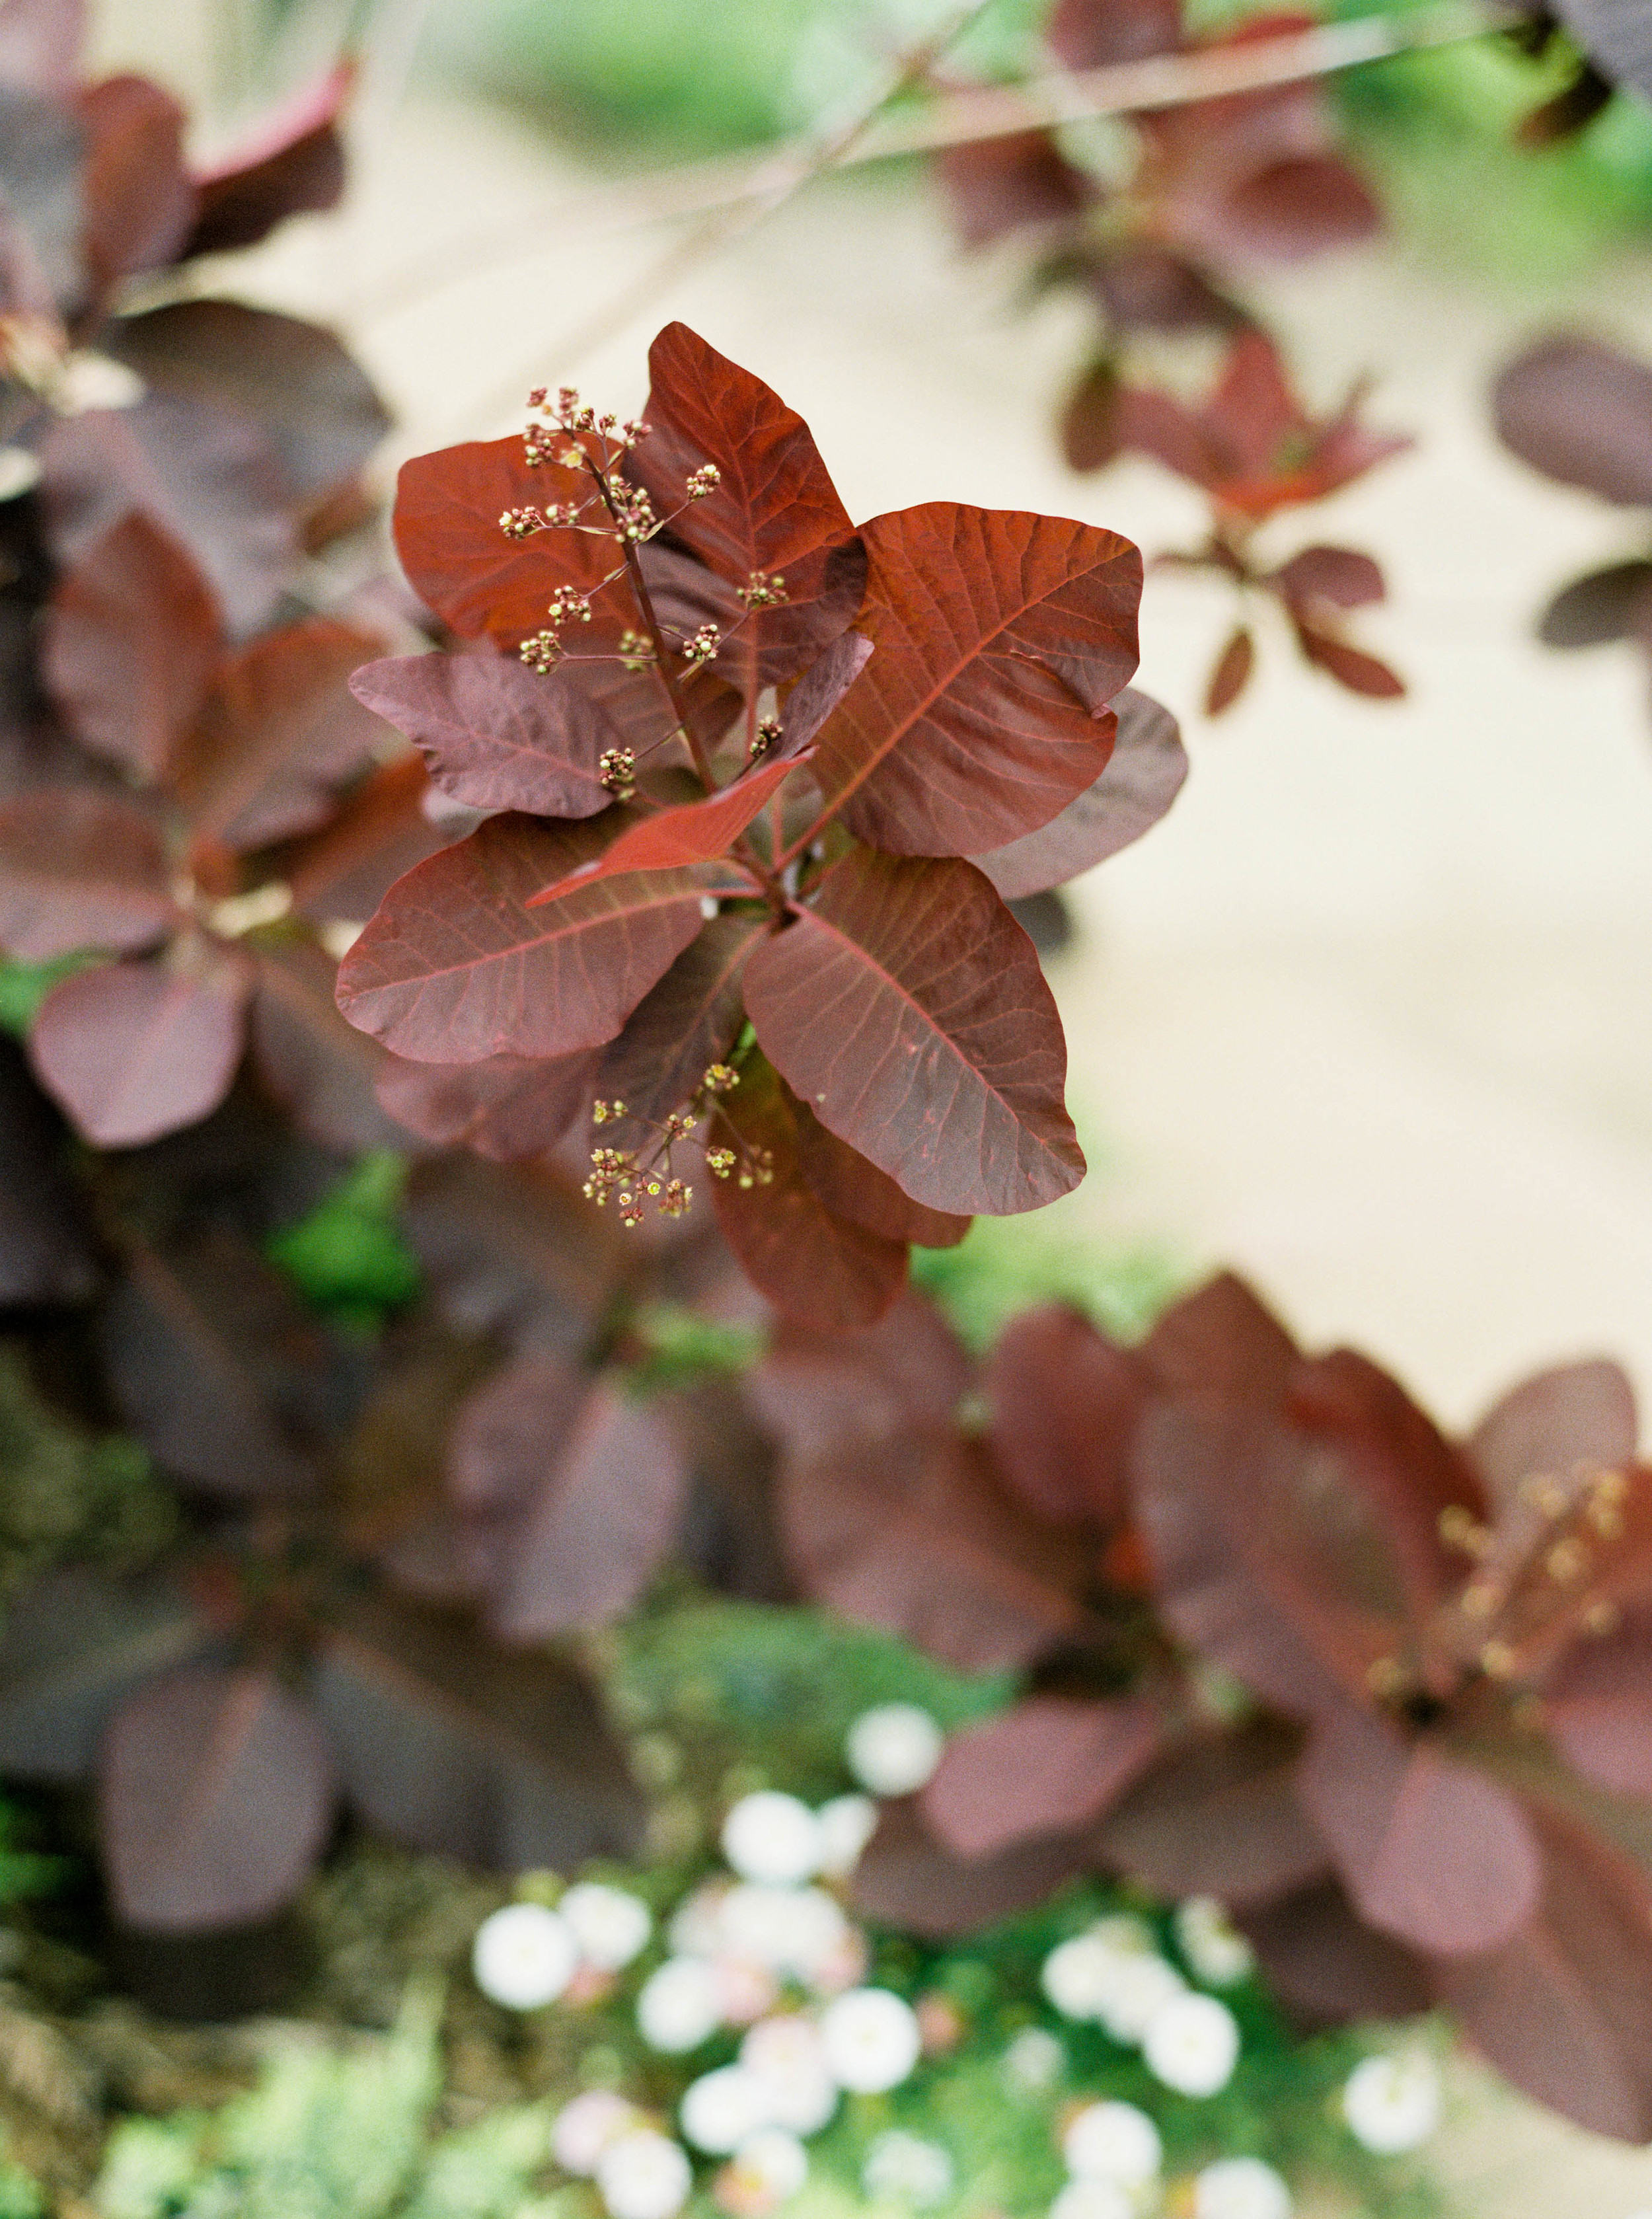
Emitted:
<point x="1386" y="1695"/>
<point x="761" y="783"/>
<point x="1219" y="186"/>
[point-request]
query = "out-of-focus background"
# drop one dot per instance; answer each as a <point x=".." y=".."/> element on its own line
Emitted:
<point x="1369" y="1016"/>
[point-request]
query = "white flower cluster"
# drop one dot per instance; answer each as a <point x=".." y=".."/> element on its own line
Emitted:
<point x="526" y="1957"/>
<point x="1393" y="2104"/>
<point x="1112" y="2153"/>
<point x="1113" y="1974"/>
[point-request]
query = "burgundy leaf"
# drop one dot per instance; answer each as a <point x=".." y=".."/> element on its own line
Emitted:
<point x="1600" y="607"/>
<point x="46" y="1252"/>
<point x="1217" y="1815"/>
<point x="215" y="1796"/>
<point x="508" y="1107"/>
<point x="1564" y="2010"/>
<point x="1221" y="1341"/>
<point x="1341" y="576"/>
<point x="858" y="1390"/>
<point x="457" y="1747"/>
<point x="382" y="829"/>
<point x="906" y="1879"/>
<point x="132" y="637"/>
<point x="963" y="730"/>
<point x="1089" y="418"/>
<point x="1582" y="413"/>
<point x="907" y="1008"/>
<point x="810" y="700"/>
<point x="138" y="203"/>
<point x="1048" y="1766"/>
<point x="1327" y="1966"/>
<point x="773" y="513"/>
<point x="515" y="1253"/>
<point x="683" y="1025"/>
<point x="1091" y="33"/>
<point x="1306" y="204"/>
<point x="321" y="1069"/>
<point x="693" y="832"/>
<point x="1575" y="1414"/>
<point x="1065" y="1404"/>
<point x="852" y="1188"/>
<point x="817" y="1268"/>
<point x="79" y="869"/>
<point x="1145" y="286"/>
<point x="291" y="162"/>
<point x="496" y="735"/>
<point x="1432" y="1850"/>
<point x="920" y="1541"/>
<point x="76" y="1643"/>
<point x="1006" y="184"/>
<point x="1231" y="673"/>
<point x="135" y="1050"/>
<point x="1350" y="666"/>
<point x="455" y="967"/>
<point x="1598" y="1707"/>
<point x="507" y="1438"/>
<point x="40" y="44"/>
<point x="1144" y="777"/>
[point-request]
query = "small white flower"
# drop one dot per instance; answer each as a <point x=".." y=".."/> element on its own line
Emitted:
<point x="610" y="1926"/>
<point x="773" y="1839"/>
<point x="1391" y="2103"/>
<point x="903" y="2168"/>
<point x="695" y="1929"/>
<point x="1140" y="1989"/>
<point x="720" y="2109"/>
<point x="1092" y="2199"/>
<point x="1192" y="2044"/>
<point x="1113" y="2141"/>
<point x="785" y="2056"/>
<point x="1033" y="2060"/>
<point x="847" y="1823"/>
<point x="587" y="2125"/>
<point x="644" y="2175"/>
<point x="524" y="1957"/>
<point x="893" y="1747"/>
<point x="773" y="2166"/>
<point x="1241" y="2188"/>
<point x="1216" y="1951"/>
<point x="759" y="1922"/>
<point x="1077" y="1975"/>
<point x="1112" y="1973"/>
<point x="679" y="2006"/>
<point x="871" y="2040"/>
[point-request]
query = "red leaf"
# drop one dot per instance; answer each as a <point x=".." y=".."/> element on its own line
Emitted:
<point x="215" y="1796"/>
<point x="907" y="1008"/>
<point x="1341" y="576"/>
<point x="455" y="967"/>
<point x="1089" y="418"/>
<point x="1306" y="204"/>
<point x="508" y="1107"/>
<point x="497" y="735"/>
<point x="919" y="1540"/>
<point x="278" y="734"/>
<point x="814" y="1267"/>
<point x="1231" y="672"/>
<point x="907" y="1880"/>
<point x="1065" y="1404"/>
<point x="1144" y="777"/>
<point x="1046" y="1767"/>
<point x="907" y="1371"/>
<point x="1001" y="185"/>
<point x="139" y="204"/>
<point x="321" y="1069"/>
<point x="1221" y="1341"/>
<point x="1089" y="34"/>
<point x="1575" y="1414"/>
<point x="133" y="635"/>
<point x="447" y="534"/>
<point x="686" y="1022"/>
<point x="1253" y="411"/>
<point x="774" y="512"/>
<point x="1432" y="1850"/>
<point x="291" y="162"/>
<point x="131" y="1050"/>
<point x="79" y="869"/>
<point x="1350" y="666"/>
<point x="379" y="832"/>
<point x="1217" y="1815"/>
<point x="964" y="731"/>
<point x="1564" y="2011"/>
<point x="1598" y="1707"/>
<point x="1328" y="1967"/>
<point x="1582" y="413"/>
<point x="672" y="839"/>
<point x="852" y="1188"/>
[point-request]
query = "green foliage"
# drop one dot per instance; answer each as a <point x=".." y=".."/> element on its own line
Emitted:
<point x="348" y="1257"/>
<point x="20" y="2197"/>
<point x="24" y="986"/>
<point x="1005" y="1264"/>
<point x="681" y="1346"/>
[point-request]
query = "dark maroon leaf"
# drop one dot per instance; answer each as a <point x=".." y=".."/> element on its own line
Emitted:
<point x="1231" y="673"/>
<point x="455" y="1746"/>
<point x="1090" y="33"/>
<point x="40" y="44"/>
<point x="1217" y="1815"/>
<point x="683" y="1025"/>
<point x="378" y="833"/>
<point x="134" y="1050"/>
<point x="814" y="1267"/>
<point x="1350" y="666"/>
<point x="455" y="967"/>
<point x="316" y="1065"/>
<point x="907" y="1371"/>
<point x="132" y="636"/>
<point x="1220" y="1340"/>
<point x="1306" y="204"/>
<point x="1144" y="775"/>
<point x="906" y="1879"/>
<point x="140" y="204"/>
<point x="1429" y="1849"/>
<point x="907" y="1008"/>
<point x="1575" y="1414"/>
<point x="313" y="399"/>
<point x="215" y="1793"/>
<point x="79" y="869"/>
<point x="1598" y="1707"/>
<point x="515" y="1253"/>
<point x="1601" y="606"/>
<point x="45" y="1253"/>
<point x="1001" y="185"/>
<point x="1340" y="575"/>
<point x="1089" y="418"/>
<point x="852" y="1188"/>
<point x="1065" y="1404"/>
<point x="1327" y="1966"/>
<point x="1582" y="413"/>
<point x="508" y="1107"/>
<point x="1047" y="1766"/>
<point x="292" y="162"/>
<point x="506" y="1437"/>
<point x="74" y="1645"/>
<point x="964" y="731"/>
<point x="1147" y="287"/>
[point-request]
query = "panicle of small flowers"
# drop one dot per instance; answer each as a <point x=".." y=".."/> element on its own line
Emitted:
<point x="633" y="511"/>
<point x="704" y="481"/>
<point x="720" y="1079"/>
<point x="758" y="1169"/>
<point x="763" y="591"/>
<point x="603" y="1113"/>
<point x="720" y="1162"/>
<point x="700" y="646"/>
<point x="767" y="732"/>
<point x="541" y="651"/>
<point x="609" y="1168"/>
<point x="635" y="650"/>
<point x="617" y="768"/>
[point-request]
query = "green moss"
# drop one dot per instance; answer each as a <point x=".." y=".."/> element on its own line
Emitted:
<point x="348" y="1257"/>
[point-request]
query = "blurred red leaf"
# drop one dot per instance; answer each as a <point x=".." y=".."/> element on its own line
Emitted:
<point x="74" y="1644"/>
<point x="1089" y="418"/>
<point x="828" y="1393"/>
<point x="1231" y="673"/>
<point x="1600" y="607"/>
<point x="1341" y="576"/>
<point x="1582" y="413"/>
<point x="1575" y="1413"/>
<point x="140" y="204"/>
<point x="907" y="1008"/>
<point x="1303" y="205"/>
<point x="964" y="731"/>
<point x="1089" y="34"/>
<point x="907" y="1880"/>
<point x="1221" y="1341"/>
<point x="1048" y="1766"/>
<point x="1217" y="1815"/>
<point x="852" y="1188"/>
<point x="291" y="162"/>
<point x="377" y="834"/>
<point x="455" y="967"/>
<point x="1066" y="1403"/>
<point x="135" y="1050"/>
<point x="1350" y="666"/>
<point x="1327" y="1968"/>
<point x="133" y="635"/>
<point x="1598" y="1707"/>
<point x="508" y="1107"/>
<point x="215" y="1797"/>
<point x="320" y="1068"/>
<point x="1006" y="184"/>
<point x="79" y="869"/>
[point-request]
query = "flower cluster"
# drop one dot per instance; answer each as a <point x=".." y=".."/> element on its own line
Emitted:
<point x="635" y="1177"/>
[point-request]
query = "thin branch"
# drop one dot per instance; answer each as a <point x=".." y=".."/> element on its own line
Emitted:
<point x="959" y="119"/>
